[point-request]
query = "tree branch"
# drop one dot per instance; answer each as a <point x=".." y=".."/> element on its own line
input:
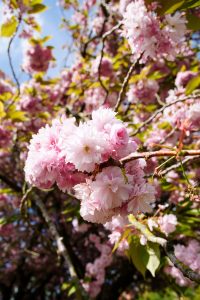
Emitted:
<point x="175" y="166"/>
<point x="195" y="95"/>
<point x="187" y="272"/>
<point x="125" y="84"/>
<point x="10" y="58"/>
<point x="10" y="183"/>
<point x="104" y="37"/>
<point x="167" y="246"/>
<point x="61" y="249"/>
<point x="161" y="153"/>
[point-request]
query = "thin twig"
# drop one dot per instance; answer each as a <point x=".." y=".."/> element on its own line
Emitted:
<point x="177" y="165"/>
<point x="160" y="153"/>
<point x="187" y="272"/>
<point x="124" y="85"/>
<point x="104" y="37"/>
<point x="100" y="62"/>
<point x="195" y="95"/>
<point x="23" y="201"/>
<point x="168" y="135"/>
<point x="10" y="57"/>
<point x="167" y="246"/>
<point x="61" y="249"/>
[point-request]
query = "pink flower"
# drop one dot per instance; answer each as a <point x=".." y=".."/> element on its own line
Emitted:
<point x="182" y="78"/>
<point x="117" y="227"/>
<point x="110" y="188"/>
<point x="167" y="223"/>
<point x="123" y="5"/>
<point x="193" y="116"/>
<point x="5" y="87"/>
<point x="5" y="137"/>
<point x="106" y="68"/>
<point x="144" y="91"/>
<point x="142" y="197"/>
<point x="45" y="164"/>
<point x="102" y="198"/>
<point x="119" y="136"/>
<point x="85" y="148"/>
<point x="103" y="119"/>
<point x="190" y="256"/>
<point x="146" y="35"/>
<point x="40" y="167"/>
<point x="37" y="58"/>
<point x="67" y="176"/>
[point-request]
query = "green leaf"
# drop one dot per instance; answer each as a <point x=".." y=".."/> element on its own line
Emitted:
<point x="168" y="7"/>
<point x="31" y="2"/>
<point x="9" y="28"/>
<point x="190" y="4"/>
<point x="154" y="258"/>
<point x="192" y="85"/>
<point x="193" y="22"/>
<point x="19" y="116"/>
<point x="14" y="4"/>
<point x="156" y="75"/>
<point x="2" y="112"/>
<point x="37" y="8"/>
<point x="138" y="254"/>
<point x="71" y="291"/>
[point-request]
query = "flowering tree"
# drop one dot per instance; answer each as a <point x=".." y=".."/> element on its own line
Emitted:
<point x="99" y="167"/>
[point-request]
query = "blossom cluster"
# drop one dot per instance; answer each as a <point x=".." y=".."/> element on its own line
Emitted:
<point x="143" y="91"/>
<point x="149" y="37"/>
<point x="37" y="58"/>
<point x="117" y="226"/>
<point x="71" y="156"/>
<point x="96" y="270"/>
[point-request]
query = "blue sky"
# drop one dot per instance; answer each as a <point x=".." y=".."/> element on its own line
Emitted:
<point x="50" y="21"/>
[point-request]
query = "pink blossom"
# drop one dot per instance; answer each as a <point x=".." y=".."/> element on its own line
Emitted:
<point x="182" y="78"/>
<point x="117" y="226"/>
<point x="119" y="136"/>
<point x="5" y="136"/>
<point x="144" y="91"/>
<point x="190" y="256"/>
<point x="123" y="5"/>
<point x="43" y="146"/>
<point x="110" y="188"/>
<point x="37" y="58"/>
<point x="106" y="69"/>
<point x="193" y="116"/>
<point x="102" y="198"/>
<point x="96" y="98"/>
<point x="96" y="270"/>
<point x="85" y="148"/>
<point x="167" y="223"/>
<point x="142" y="197"/>
<point x="45" y="165"/>
<point x="146" y="36"/>
<point x="103" y="119"/>
<point x="5" y="87"/>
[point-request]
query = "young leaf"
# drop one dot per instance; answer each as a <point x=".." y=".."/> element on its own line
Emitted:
<point x="193" y="22"/>
<point x="154" y="258"/>
<point x="139" y="255"/>
<point x="192" y="85"/>
<point x="169" y="7"/>
<point x="2" y="112"/>
<point x="37" y="8"/>
<point x="9" y="28"/>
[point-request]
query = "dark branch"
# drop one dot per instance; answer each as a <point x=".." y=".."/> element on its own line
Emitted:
<point x="187" y="272"/>
<point x="195" y="95"/>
